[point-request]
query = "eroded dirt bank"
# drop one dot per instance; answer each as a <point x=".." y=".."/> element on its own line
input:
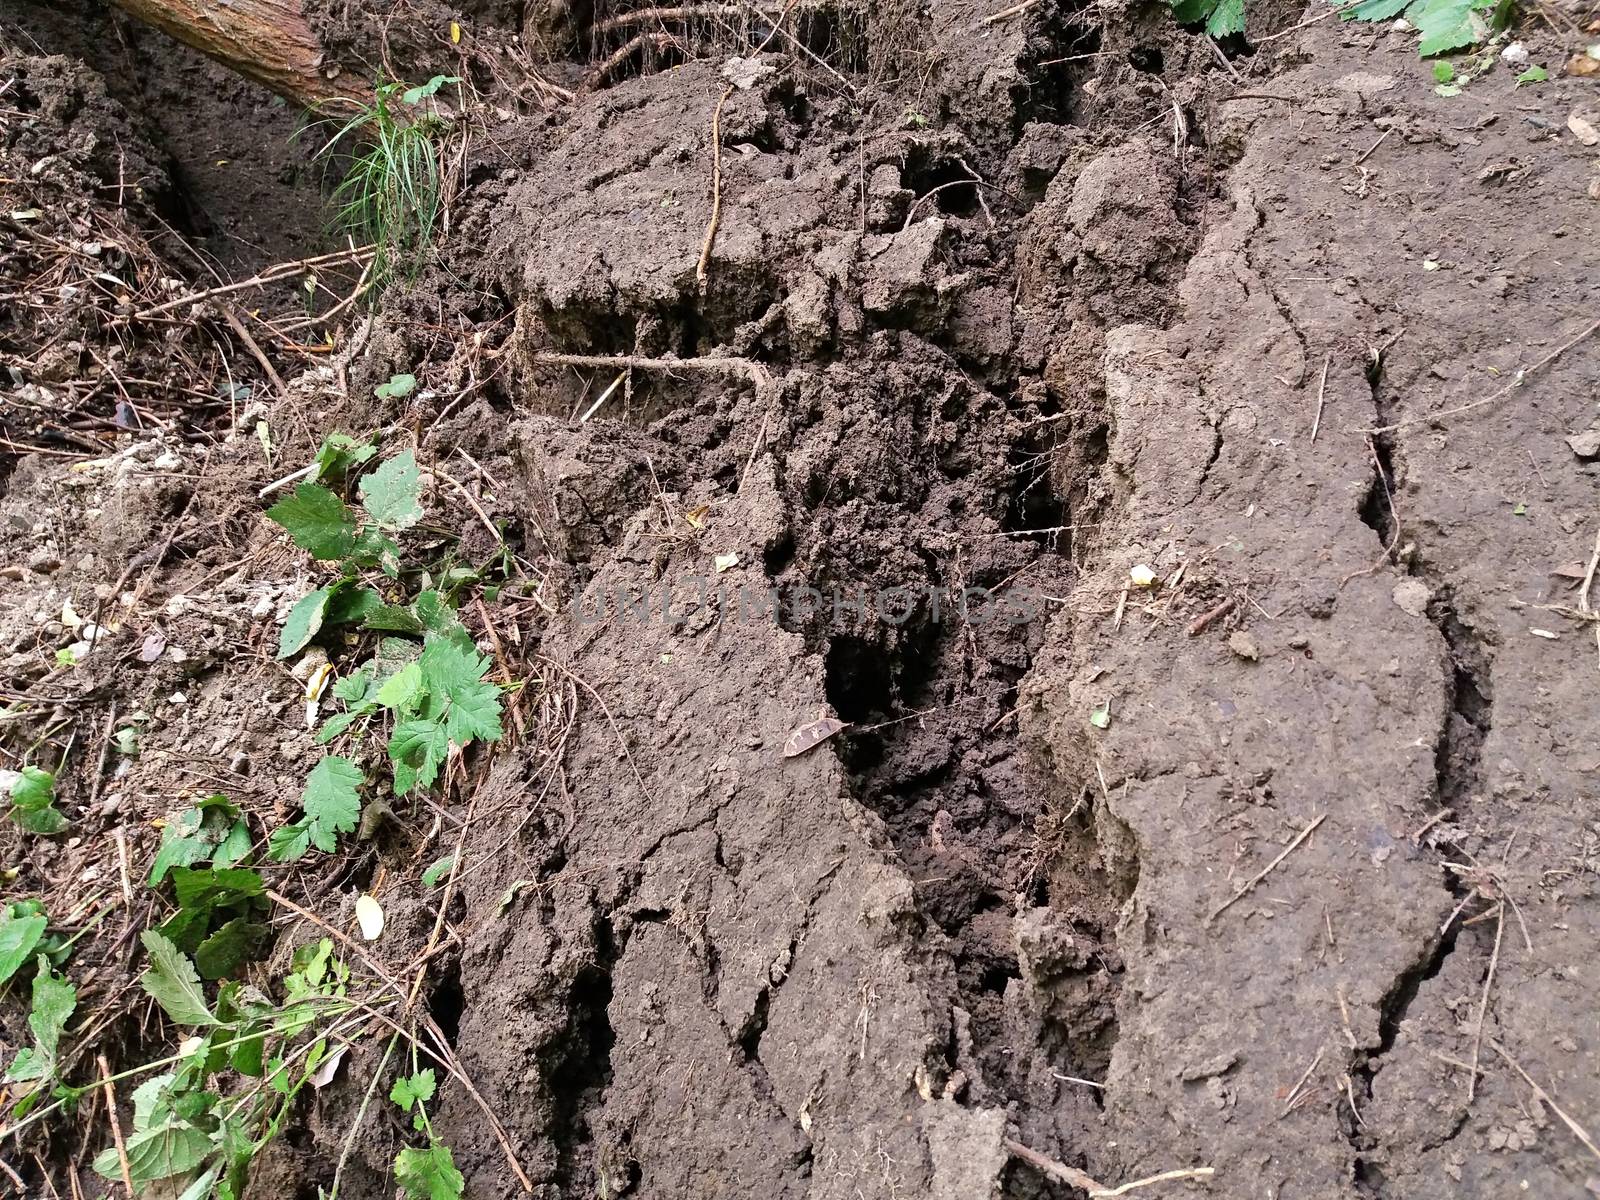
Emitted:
<point x="1186" y="322"/>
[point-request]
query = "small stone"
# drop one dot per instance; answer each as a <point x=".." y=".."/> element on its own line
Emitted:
<point x="1244" y="646"/>
<point x="1412" y="596"/>
<point x="1587" y="443"/>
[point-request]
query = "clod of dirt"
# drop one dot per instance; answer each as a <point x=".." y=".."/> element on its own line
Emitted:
<point x="1244" y="646"/>
<point x="1585" y="444"/>
<point x="1412" y="595"/>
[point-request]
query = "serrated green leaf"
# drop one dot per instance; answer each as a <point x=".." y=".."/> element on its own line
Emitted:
<point x="1226" y="17"/>
<point x="288" y="843"/>
<point x="410" y="1090"/>
<point x="1446" y="25"/>
<point x="392" y="493"/>
<point x="417" y="750"/>
<point x="173" y="981"/>
<point x="303" y="622"/>
<point x="330" y="805"/>
<point x="1533" y="75"/>
<point x="428" y="1174"/>
<point x="18" y="936"/>
<point x="317" y="521"/>
<point x="353" y="688"/>
<point x="402" y="688"/>
<point x="474" y="713"/>
<point x="437" y="870"/>
<point x="335" y="725"/>
<point x="160" y="1153"/>
<point x="54" y="1000"/>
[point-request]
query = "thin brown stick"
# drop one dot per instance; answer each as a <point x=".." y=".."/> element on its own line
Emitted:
<point x="1294" y="1092"/>
<point x="1322" y="396"/>
<point x="1516" y="382"/>
<point x="717" y="364"/>
<point x="716" y="191"/>
<point x="600" y="73"/>
<point x="1070" y="1176"/>
<point x="1014" y="10"/>
<point x="232" y="318"/>
<point x="1367" y="153"/>
<point x="1267" y="870"/>
<point x="682" y="12"/>
<point x="1206" y="619"/>
<point x="270" y="274"/>
<point x="116" y="1122"/>
<point x="1578" y="1130"/>
<point x="1483" y="1002"/>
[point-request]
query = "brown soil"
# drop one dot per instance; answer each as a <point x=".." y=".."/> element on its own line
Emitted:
<point x="683" y="964"/>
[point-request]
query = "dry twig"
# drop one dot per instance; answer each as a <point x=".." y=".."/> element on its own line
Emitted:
<point x="1265" y="871"/>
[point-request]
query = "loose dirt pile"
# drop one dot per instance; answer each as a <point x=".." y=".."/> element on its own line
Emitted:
<point x="1174" y="465"/>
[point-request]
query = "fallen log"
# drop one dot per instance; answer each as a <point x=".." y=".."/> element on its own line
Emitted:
<point x="268" y="41"/>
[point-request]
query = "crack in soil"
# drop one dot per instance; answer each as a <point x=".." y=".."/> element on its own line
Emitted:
<point x="1458" y="752"/>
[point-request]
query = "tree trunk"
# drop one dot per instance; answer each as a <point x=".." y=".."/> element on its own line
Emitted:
<point x="268" y="41"/>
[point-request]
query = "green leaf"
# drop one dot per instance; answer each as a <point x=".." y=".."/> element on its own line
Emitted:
<point x="402" y="688"/>
<point x="1533" y="75"/>
<point x="1446" y="25"/>
<point x="46" y="821"/>
<point x="331" y="806"/>
<point x="18" y="936"/>
<point x="339" y="452"/>
<point x="288" y="843"/>
<point x="398" y="387"/>
<point x="1377" y="10"/>
<point x="160" y="1153"/>
<point x="437" y="870"/>
<point x="474" y="713"/>
<point x="418" y="750"/>
<point x="353" y="688"/>
<point x="392" y="493"/>
<point x="303" y="622"/>
<point x="428" y="1174"/>
<point x="1100" y="717"/>
<point x="423" y="91"/>
<point x="211" y="831"/>
<point x="172" y="980"/>
<point x="413" y="1089"/>
<point x="34" y="789"/>
<point x="393" y="618"/>
<point x="54" y="1000"/>
<point x="1226" y="18"/>
<point x="33" y="793"/>
<point x="1443" y="72"/>
<point x="317" y="521"/>
<point x="229" y="948"/>
<point x="353" y="605"/>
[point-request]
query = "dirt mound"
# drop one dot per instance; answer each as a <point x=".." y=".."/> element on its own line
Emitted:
<point x="1158" y="466"/>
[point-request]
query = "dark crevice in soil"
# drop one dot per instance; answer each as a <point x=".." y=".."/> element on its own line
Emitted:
<point x="1457" y="752"/>
<point x="581" y="1067"/>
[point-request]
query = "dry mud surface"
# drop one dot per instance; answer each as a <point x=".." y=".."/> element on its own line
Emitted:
<point x="995" y="907"/>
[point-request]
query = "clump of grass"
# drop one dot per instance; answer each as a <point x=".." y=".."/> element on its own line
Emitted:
<point x="392" y="191"/>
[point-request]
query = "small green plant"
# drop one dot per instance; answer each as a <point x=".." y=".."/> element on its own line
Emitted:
<point x="54" y="1001"/>
<point x="424" y="1173"/>
<point x="33" y="795"/>
<point x="392" y="189"/>
<point x="22" y="925"/>
<point x="433" y="695"/>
